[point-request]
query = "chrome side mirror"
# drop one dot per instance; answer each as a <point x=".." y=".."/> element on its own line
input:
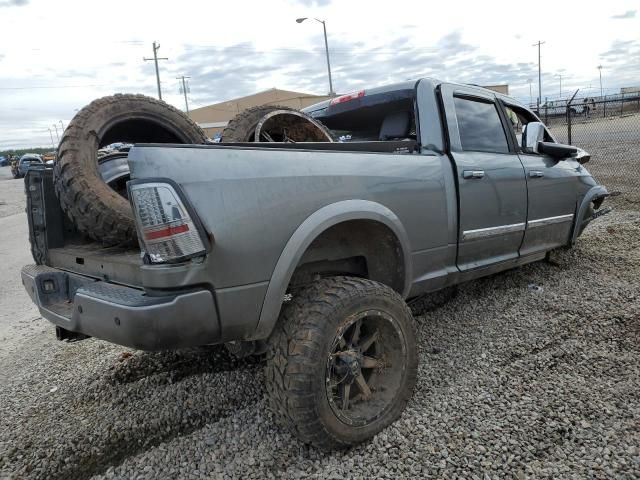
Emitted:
<point x="532" y="133"/>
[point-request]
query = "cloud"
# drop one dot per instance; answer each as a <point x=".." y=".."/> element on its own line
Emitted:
<point x="220" y="73"/>
<point x="627" y="14"/>
<point x="621" y="62"/>
<point x="13" y="3"/>
<point x="314" y="3"/>
<point x="620" y="50"/>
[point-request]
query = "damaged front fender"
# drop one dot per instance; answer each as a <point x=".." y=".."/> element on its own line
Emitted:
<point x="586" y="211"/>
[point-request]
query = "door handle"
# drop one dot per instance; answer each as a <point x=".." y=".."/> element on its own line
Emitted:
<point x="473" y="174"/>
<point x="536" y="174"/>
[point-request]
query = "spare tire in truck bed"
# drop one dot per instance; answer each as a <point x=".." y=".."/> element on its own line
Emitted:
<point x="274" y="123"/>
<point x="96" y="209"/>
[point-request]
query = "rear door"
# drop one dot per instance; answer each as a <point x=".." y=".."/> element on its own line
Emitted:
<point x="491" y="180"/>
<point x="551" y="187"/>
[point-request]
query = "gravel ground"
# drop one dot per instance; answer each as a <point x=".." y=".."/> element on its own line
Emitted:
<point x="532" y="373"/>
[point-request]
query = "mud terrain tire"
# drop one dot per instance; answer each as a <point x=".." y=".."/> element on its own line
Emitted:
<point x="242" y="127"/>
<point x="95" y="209"/>
<point x="314" y="326"/>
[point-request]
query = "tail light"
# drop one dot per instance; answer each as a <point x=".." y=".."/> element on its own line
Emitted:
<point x="347" y="98"/>
<point x="166" y="230"/>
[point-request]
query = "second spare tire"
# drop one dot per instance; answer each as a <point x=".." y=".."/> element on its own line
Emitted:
<point x="274" y="123"/>
<point x="94" y="207"/>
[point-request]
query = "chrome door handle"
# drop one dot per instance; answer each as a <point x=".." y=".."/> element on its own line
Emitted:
<point x="473" y="174"/>
<point x="536" y="174"/>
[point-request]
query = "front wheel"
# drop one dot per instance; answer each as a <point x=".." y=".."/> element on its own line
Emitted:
<point x="342" y="362"/>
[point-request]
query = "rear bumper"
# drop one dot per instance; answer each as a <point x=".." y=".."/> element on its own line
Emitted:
<point x="120" y="314"/>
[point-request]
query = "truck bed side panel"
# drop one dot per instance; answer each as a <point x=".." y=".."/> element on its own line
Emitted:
<point x="252" y="200"/>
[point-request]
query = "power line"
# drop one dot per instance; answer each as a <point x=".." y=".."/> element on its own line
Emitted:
<point x="155" y="59"/>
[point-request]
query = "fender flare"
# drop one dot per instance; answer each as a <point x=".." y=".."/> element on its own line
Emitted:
<point x="306" y="233"/>
<point x="592" y="194"/>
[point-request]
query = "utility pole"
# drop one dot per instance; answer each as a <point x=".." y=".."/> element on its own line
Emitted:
<point x="539" y="73"/>
<point x="57" y="136"/>
<point x="53" y="145"/>
<point x="600" y="70"/>
<point x="155" y="59"/>
<point x="184" y="91"/>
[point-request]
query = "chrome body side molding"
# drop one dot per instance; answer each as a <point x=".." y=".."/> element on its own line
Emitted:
<point x="492" y="231"/>
<point x="542" y="222"/>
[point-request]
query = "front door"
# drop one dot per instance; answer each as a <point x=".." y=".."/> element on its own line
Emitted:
<point x="552" y="192"/>
<point x="491" y="179"/>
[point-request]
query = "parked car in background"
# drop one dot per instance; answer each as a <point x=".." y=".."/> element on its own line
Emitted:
<point x="19" y="169"/>
<point x="4" y="161"/>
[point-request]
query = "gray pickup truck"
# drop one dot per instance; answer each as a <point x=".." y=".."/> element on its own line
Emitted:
<point x="306" y="252"/>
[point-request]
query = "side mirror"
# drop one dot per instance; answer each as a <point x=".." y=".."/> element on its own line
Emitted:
<point x="557" y="150"/>
<point x="582" y="156"/>
<point x="532" y="134"/>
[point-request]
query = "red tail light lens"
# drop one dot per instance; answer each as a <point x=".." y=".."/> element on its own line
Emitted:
<point x="347" y="98"/>
<point x="166" y="230"/>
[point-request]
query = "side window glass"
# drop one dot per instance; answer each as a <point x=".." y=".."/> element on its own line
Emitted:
<point x="480" y="126"/>
<point x="516" y="122"/>
<point x="518" y="118"/>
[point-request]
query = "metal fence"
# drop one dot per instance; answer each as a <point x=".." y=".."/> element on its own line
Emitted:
<point x="609" y="129"/>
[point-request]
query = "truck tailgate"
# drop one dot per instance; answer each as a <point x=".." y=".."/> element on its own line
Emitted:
<point x="114" y="264"/>
<point x="56" y="243"/>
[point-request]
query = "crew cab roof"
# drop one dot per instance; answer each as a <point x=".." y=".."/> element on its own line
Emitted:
<point x="369" y="97"/>
<point x="373" y="96"/>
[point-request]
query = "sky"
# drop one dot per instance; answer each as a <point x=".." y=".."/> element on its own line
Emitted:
<point x="58" y="55"/>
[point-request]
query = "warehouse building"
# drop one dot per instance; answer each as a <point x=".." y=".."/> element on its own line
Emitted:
<point x="214" y="118"/>
<point x="503" y="89"/>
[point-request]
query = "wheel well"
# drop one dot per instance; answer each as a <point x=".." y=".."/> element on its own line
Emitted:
<point x="361" y="248"/>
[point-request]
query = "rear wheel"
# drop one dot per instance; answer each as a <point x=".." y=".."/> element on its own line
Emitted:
<point x="342" y="362"/>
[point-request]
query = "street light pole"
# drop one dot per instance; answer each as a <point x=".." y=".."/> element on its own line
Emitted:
<point x="326" y="48"/>
<point x="600" y="70"/>
<point x="57" y="136"/>
<point x="62" y="125"/>
<point x="539" y="73"/>
<point x="530" y="93"/>
<point x="560" y="76"/>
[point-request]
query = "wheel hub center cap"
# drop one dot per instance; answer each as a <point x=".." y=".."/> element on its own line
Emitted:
<point x="351" y="365"/>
